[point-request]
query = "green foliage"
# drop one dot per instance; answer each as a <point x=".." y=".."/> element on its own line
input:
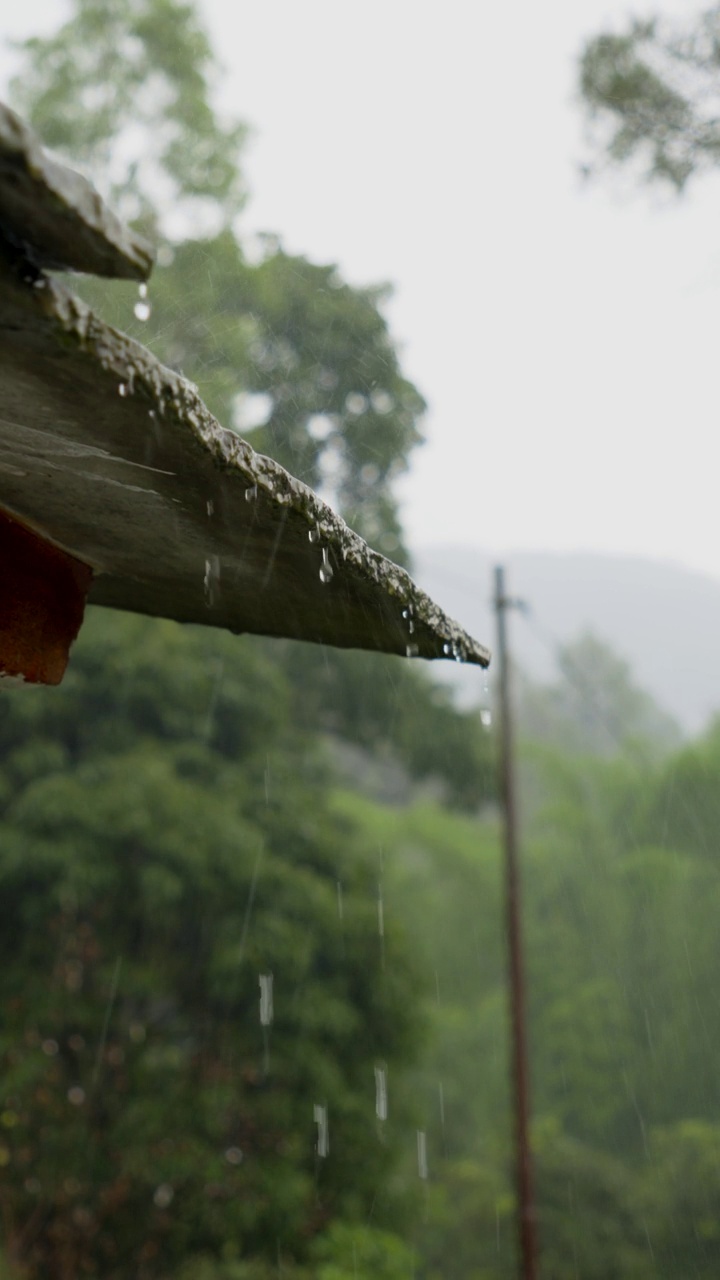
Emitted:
<point x="652" y="92"/>
<point x="158" y="855"/>
<point x="594" y="707"/>
<point x="590" y="1212"/>
<point x="393" y="711"/>
<point x="170" y="834"/>
<point x="682" y="1199"/>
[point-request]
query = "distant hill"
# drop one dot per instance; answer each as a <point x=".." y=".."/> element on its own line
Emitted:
<point x="662" y="619"/>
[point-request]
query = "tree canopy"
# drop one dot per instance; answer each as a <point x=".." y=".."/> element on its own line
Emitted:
<point x="652" y="93"/>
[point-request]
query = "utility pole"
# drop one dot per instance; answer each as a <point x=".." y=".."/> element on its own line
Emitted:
<point x="527" y="1239"/>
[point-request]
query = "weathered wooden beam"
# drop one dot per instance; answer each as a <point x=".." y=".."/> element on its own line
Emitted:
<point x="114" y="459"/>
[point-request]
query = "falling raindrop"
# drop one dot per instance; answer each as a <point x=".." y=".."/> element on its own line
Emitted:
<point x="251" y="493"/>
<point x="266" y="999"/>
<point x="411" y="651"/>
<point x="142" y="307"/>
<point x="314" y="535"/>
<point x="326" y="569"/>
<point x="422" y="1154"/>
<point x="320" y="1116"/>
<point x="210" y="507"/>
<point x="447" y="649"/>
<point x="212" y="576"/>
<point x="381" y="1101"/>
<point x="486" y="717"/>
<point x="122" y="389"/>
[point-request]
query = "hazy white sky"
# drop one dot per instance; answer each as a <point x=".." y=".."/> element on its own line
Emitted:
<point x="564" y="336"/>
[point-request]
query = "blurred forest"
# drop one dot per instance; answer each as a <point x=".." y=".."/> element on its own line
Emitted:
<point x="252" y="964"/>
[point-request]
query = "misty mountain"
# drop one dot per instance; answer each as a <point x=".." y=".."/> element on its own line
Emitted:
<point x="664" y="620"/>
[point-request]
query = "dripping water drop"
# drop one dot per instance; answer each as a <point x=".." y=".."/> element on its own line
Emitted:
<point x="142" y="308"/>
<point x="326" y="569"/>
<point x="266" y="999"/>
<point x="320" y="1116"/>
<point x="381" y="1099"/>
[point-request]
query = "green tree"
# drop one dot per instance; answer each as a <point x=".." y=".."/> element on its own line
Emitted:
<point x="651" y="92"/>
<point x="682" y="1200"/>
<point x="164" y="859"/>
<point x="595" y="707"/>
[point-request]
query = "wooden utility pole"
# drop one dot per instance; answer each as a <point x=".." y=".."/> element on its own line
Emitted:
<point x="527" y="1239"/>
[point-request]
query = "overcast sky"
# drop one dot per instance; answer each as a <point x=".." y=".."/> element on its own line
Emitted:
<point x="564" y="335"/>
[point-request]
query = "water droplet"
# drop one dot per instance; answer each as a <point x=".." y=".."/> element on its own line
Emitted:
<point x="266" y="999"/>
<point x="122" y="389"/>
<point x="411" y="650"/>
<point x="314" y="535"/>
<point x="422" y="1154"/>
<point x="320" y="1116"/>
<point x="210" y="505"/>
<point x="212" y="576"/>
<point x="326" y="569"/>
<point x="447" y="649"/>
<point x="486" y="717"/>
<point x="381" y="1102"/>
<point x="142" y="307"/>
<point x="251" y="493"/>
<point x="76" y="1095"/>
<point x="407" y="614"/>
<point x="234" y="1155"/>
